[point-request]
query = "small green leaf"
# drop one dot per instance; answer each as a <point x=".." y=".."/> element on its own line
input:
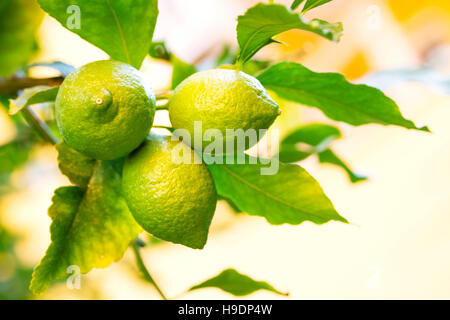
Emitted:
<point x="33" y="95"/>
<point x="181" y="70"/>
<point x="90" y="229"/>
<point x="296" y="4"/>
<point x="316" y="136"/>
<point x="289" y="196"/>
<point x="311" y="4"/>
<point x="235" y="283"/>
<point x="76" y="166"/>
<point x="121" y="28"/>
<point x="260" y="23"/>
<point x="337" y="98"/>
<point x="19" y="22"/>
<point x="328" y="156"/>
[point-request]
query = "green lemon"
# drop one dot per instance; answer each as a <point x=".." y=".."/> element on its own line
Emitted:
<point x="221" y="99"/>
<point x="169" y="198"/>
<point x="104" y="110"/>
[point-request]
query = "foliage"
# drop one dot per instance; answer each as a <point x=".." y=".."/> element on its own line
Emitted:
<point x="121" y="28"/>
<point x="334" y="95"/>
<point x="92" y="225"/>
<point x="91" y="228"/>
<point x="235" y="283"/>
<point x="259" y="24"/>
<point x="315" y="138"/>
<point x="19" y="20"/>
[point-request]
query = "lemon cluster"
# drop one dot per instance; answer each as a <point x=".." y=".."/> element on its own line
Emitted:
<point x="105" y="111"/>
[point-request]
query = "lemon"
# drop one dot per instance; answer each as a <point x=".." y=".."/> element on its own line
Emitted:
<point x="104" y="110"/>
<point x="221" y="99"/>
<point x="171" y="200"/>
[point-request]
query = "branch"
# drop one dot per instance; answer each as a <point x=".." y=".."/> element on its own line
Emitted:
<point x="144" y="270"/>
<point x="38" y="125"/>
<point x="13" y="84"/>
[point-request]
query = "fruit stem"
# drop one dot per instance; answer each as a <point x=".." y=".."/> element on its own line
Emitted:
<point x="141" y="266"/>
<point x="39" y="125"/>
<point x="162" y="107"/>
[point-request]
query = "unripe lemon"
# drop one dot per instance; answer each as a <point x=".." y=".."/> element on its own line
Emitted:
<point x="104" y="110"/>
<point x="221" y="99"/>
<point x="172" y="200"/>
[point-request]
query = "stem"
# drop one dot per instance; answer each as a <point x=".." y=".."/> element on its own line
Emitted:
<point x="163" y="107"/>
<point x="164" y="127"/>
<point x="40" y="126"/>
<point x="144" y="270"/>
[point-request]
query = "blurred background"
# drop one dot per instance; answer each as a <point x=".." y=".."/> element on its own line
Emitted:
<point x="398" y="242"/>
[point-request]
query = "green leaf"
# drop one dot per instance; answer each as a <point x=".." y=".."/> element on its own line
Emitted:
<point x="19" y="21"/>
<point x="328" y="156"/>
<point x="90" y="229"/>
<point x="76" y="166"/>
<point x="334" y="95"/>
<point x="260" y="23"/>
<point x="289" y="196"/>
<point x="181" y="70"/>
<point x="235" y="283"/>
<point x="316" y="136"/>
<point x="33" y="95"/>
<point x="121" y="28"/>
<point x="311" y="4"/>
<point x="296" y="4"/>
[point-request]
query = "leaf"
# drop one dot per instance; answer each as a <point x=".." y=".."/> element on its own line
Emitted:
<point x="76" y="166"/>
<point x="334" y="95"/>
<point x="296" y="4"/>
<point x="90" y="229"/>
<point x="316" y="136"/>
<point x="235" y="283"/>
<point x="328" y="156"/>
<point x="19" y="21"/>
<point x="121" y="28"/>
<point x="181" y="70"/>
<point x="260" y="23"/>
<point x="289" y="196"/>
<point x="311" y="4"/>
<point x="33" y="95"/>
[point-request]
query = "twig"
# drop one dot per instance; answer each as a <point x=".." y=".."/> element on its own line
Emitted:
<point x="40" y="126"/>
<point x="144" y="270"/>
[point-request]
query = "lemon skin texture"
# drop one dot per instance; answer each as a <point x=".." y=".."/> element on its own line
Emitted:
<point x="104" y="110"/>
<point x="173" y="202"/>
<point x="221" y="99"/>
